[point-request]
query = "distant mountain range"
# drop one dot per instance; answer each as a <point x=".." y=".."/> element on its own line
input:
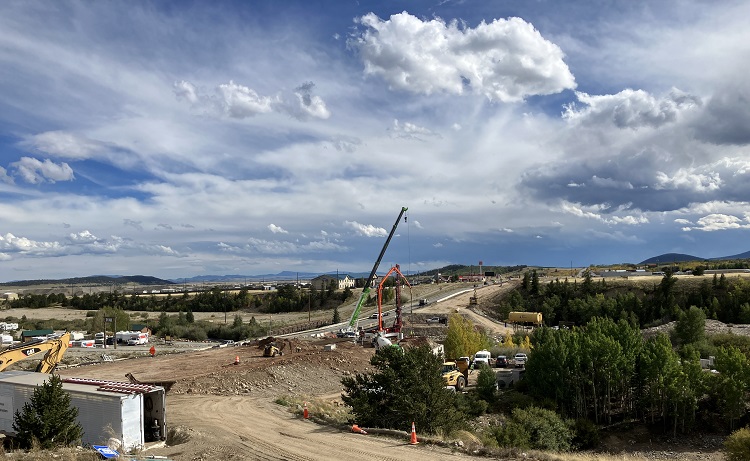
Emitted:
<point x="105" y="280"/>
<point x="679" y="257"/>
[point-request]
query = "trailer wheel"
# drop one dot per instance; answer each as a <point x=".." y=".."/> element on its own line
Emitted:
<point x="460" y="383"/>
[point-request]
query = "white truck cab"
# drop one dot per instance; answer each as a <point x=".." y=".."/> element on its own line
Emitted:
<point x="482" y="357"/>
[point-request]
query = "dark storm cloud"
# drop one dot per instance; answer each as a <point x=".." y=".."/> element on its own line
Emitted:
<point x="646" y="182"/>
<point x="726" y="118"/>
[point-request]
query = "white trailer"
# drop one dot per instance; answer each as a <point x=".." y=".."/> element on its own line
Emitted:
<point x="133" y="414"/>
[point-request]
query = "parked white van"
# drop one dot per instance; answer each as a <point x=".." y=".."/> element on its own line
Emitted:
<point x="482" y="357"/>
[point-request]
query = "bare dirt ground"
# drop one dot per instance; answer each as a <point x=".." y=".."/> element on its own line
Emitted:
<point x="227" y="411"/>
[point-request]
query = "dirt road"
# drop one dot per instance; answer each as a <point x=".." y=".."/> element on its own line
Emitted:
<point x="245" y="428"/>
<point x="226" y="411"/>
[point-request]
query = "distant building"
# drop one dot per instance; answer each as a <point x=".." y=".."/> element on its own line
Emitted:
<point x="29" y="335"/>
<point x="322" y="282"/>
<point x="624" y="273"/>
<point x="10" y="296"/>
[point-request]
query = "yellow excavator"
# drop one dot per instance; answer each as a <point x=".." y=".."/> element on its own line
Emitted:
<point x="54" y="349"/>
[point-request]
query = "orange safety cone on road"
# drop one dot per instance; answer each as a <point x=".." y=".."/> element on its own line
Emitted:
<point x="358" y="430"/>
<point x="305" y="414"/>
<point x="236" y="359"/>
<point x="413" y="440"/>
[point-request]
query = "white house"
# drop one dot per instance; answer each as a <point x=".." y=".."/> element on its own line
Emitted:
<point x="322" y="282"/>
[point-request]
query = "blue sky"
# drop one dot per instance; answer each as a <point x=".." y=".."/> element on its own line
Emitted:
<point x="177" y="139"/>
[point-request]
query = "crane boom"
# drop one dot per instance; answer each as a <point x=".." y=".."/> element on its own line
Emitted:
<point x="366" y="290"/>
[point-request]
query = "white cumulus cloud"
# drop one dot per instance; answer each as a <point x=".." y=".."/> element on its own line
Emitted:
<point x="504" y="60"/>
<point x="35" y="171"/>
<point x="308" y="104"/>
<point x="277" y="229"/>
<point x="241" y="102"/>
<point x="366" y="230"/>
<point x="630" y="108"/>
<point x="11" y="243"/>
<point x="717" y="222"/>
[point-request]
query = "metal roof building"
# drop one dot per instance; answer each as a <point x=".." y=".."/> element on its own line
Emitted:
<point x="132" y="414"/>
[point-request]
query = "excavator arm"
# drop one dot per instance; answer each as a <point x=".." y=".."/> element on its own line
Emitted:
<point x="53" y="349"/>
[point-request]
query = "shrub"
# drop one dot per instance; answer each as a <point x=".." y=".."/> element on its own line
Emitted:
<point x="512" y="435"/>
<point x="586" y="434"/>
<point x="737" y="445"/>
<point x="471" y="404"/>
<point x="486" y="384"/>
<point x="547" y="431"/>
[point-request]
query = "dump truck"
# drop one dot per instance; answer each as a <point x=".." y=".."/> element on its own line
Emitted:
<point x="452" y="376"/>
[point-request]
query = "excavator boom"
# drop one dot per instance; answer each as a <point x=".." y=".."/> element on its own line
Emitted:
<point x="54" y="349"/>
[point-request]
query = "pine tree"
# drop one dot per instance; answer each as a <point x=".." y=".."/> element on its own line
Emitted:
<point x="336" y="316"/>
<point x="48" y="417"/>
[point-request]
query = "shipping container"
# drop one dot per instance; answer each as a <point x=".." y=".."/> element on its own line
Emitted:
<point x="132" y="414"/>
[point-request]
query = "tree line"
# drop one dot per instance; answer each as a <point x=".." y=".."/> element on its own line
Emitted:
<point x="721" y="298"/>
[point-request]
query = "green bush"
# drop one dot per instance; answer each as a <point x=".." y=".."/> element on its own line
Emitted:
<point x="586" y="434"/>
<point x="512" y="435"/>
<point x="486" y="384"/>
<point x="737" y="445"/>
<point x="546" y="429"/>
<point x="471" y="404"/>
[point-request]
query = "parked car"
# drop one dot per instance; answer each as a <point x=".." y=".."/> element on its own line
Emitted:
<point x="433" y="320"/>
<point x="501" y="361"/>
<point x="520" y="359"/>
<point x="374" y="316"/>
<point x="386" y="314"/>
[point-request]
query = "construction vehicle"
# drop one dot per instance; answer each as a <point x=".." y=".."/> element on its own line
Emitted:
<point x="453" y="377"/>
<point x="54" y="349"/>
<point x="354" y="319"/>
<point x="397" y="323"/>
<point x="271" y="350"/>
<point x="473" y="299"/>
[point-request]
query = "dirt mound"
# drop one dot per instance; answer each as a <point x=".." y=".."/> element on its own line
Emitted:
<point x="307" y="367"/>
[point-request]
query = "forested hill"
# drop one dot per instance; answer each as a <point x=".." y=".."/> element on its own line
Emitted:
<point x="93" y="280"/>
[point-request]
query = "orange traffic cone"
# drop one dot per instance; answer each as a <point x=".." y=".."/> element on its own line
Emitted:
<point x="236" y="359"/>
<point x="358" y="430"/>
<point x="305" y="414"/>
<point x="413" y="435"/>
